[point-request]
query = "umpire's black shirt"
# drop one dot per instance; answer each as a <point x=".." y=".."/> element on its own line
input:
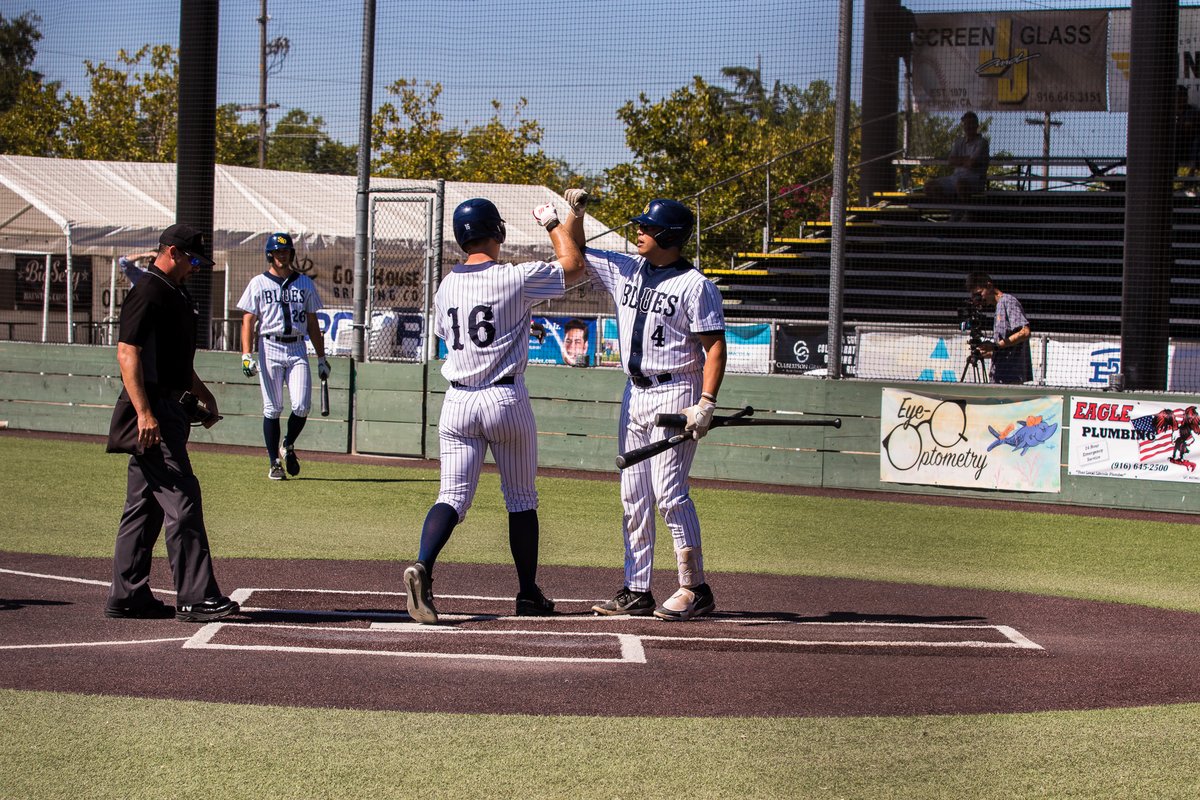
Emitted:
<point x="159" y="317"/>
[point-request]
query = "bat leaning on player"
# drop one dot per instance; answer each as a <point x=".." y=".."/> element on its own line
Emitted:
<point x="742" y="418"/>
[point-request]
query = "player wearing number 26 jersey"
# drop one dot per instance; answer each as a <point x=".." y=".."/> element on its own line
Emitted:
<point x="482" y="310"/>
<point x="672" y="331"/>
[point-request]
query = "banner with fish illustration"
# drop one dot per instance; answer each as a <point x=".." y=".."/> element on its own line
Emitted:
<point x="971" y="442"/>
<point x="1117" y="438"/>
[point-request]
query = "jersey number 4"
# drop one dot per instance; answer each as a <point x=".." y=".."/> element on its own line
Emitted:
<point x="479" y="326"/>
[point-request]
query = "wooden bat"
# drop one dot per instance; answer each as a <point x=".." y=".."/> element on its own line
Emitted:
<point x="679" y="420"/>
<point x="654" y="448"/>
<point x="325" y="398"/>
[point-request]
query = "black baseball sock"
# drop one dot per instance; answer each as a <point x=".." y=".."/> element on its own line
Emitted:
<point x="523" y="541"/>
<point x="295" y="425"/>
<point x="439" y="524"/>
<point x="271" y="434"/>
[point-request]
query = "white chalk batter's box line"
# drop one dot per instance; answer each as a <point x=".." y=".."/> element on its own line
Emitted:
<point x="630" y="645"/>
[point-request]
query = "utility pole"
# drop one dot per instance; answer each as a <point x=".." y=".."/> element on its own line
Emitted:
<point x="277" y="49"/>
<point x="1046" y="123"/>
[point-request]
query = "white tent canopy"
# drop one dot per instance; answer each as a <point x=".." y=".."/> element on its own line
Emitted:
<point x="115" y="207"/>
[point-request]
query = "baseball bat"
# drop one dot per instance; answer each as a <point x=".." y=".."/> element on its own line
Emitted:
<point x="654" y="448"/>
<point x="325" y="398"/>
<point x="679" y="420"/>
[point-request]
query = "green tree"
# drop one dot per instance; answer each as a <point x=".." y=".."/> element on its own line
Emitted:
<point x="18" y="48"/>
<point x="237" y="142"/>
<point x="299" y="144"/>
<point x="695" y="145"/>
<point x="415" y="143"/>
<point x="31" y="112"/>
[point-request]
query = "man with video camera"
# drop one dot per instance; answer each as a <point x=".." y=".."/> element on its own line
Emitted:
<point x="1009" y="350"/>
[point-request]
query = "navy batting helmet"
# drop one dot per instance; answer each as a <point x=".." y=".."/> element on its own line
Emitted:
<point x="477" y="219"/>
<point x="675" y="219"/>
<point x="279" y="241"/>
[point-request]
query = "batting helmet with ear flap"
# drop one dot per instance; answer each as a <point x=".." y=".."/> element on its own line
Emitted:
<point x="675" y="219"/>
<point x="279" y="241"/>
<point x="477" y="219"/>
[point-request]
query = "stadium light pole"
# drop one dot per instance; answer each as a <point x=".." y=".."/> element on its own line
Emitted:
<point x="363" y="195"/>
<point x="837" y="201"/>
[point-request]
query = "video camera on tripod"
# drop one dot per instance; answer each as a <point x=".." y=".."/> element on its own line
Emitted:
<point x="972" y="320"/>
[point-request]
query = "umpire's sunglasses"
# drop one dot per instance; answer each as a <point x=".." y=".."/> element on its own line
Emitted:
<point x="195" y="261"/>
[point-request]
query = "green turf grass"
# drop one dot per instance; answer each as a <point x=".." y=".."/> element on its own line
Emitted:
<point x="71" y="746"/>
<point x="65" y="498"/>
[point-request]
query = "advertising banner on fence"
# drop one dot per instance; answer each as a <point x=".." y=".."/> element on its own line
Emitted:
<point x="1118" y="56"/>
<point x="1117" y="438"/>
<point x="30" y="274"/>
<point x="563" y="340"/>
<point x="749" y="347"/>
<point x="1010" y="61"/>
<point x="938" y="441"/>
<point x="800" y="349"/>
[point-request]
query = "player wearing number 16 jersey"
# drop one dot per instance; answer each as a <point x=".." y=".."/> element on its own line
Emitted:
<point x="672" y="332"/>
<point x="482" y="313"/>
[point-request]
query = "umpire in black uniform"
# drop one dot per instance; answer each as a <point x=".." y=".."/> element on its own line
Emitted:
<point x="152" y="422"/>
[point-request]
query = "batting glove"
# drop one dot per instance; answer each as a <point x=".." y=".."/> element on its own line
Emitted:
<point x="577" y="198"/>
<point x="699" y="417"/>
<point x="546" y="216"/>
<point x="249" y="366"/>
<point x="323" y="369"/>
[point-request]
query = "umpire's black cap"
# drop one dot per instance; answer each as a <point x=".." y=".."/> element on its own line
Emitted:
<point x="187" y="239"/>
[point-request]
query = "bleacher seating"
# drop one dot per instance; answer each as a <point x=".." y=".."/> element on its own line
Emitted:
<point x="1059" y="252"/>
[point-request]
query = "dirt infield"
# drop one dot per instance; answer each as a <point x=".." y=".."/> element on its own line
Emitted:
<point x="334" y="634"/>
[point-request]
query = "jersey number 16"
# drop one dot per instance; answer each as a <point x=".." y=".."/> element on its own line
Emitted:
<point x="479" y="326"/>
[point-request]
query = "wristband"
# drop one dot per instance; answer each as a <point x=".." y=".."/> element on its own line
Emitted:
<point x="708" y="396"/>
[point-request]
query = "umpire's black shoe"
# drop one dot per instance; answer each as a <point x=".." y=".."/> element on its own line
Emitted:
<point x="627" y="601"/>
<point x="151" y="609"/>
<point x="534" y="604"/>
<point x="211" y="609"/>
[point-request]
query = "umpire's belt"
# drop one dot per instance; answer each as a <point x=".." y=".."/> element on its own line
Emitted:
<point x="507" y="381"/>
<point x="275" y="337"/>
<point x="646" y="381"/>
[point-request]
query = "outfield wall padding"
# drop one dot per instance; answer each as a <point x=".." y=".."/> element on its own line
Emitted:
<point x="392" y="409"/>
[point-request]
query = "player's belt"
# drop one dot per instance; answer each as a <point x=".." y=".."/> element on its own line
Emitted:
<point x="274" y="337"/>
<point x="646" y="381"/>
<point x="508" y="381"/>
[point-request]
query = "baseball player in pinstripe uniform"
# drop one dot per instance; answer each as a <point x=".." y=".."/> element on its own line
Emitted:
<point x="285" y="304"/>
<point x="482" y="313"/>
<point x="672" y="331"/>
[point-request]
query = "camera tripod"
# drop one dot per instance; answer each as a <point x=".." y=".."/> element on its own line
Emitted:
<point x="974" y="363"/>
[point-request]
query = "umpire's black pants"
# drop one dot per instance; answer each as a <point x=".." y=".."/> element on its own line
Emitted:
<point x="162" y="488"/>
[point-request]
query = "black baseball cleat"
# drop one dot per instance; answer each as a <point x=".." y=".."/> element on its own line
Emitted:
<point x="276" y="473"/>
<point x="151" y="609"/>
<point x="627" y="601"/>
<point x="534" y="604"/>
<point x="288" y="454"/>
<point x="213" y="608"/>
<point x="418" y="589"/>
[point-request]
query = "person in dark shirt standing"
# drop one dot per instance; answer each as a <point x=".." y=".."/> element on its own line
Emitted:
<point x="152" y="422"/>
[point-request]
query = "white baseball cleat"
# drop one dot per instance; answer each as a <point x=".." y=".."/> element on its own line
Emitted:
<point x="687" y="603"/>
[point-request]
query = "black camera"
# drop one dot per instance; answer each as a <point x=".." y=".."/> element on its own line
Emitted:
<point x="973" y="320"/>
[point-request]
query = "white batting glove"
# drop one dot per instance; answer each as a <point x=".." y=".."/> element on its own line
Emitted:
<point x="577" y="198"/>
<point x="699" y="417"/>
<point x="546" y="216"/>
<point x="323" y="368"/>
<point x="249" y="365"/>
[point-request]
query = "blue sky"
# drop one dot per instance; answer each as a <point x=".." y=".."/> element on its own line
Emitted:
<point x="575" y="61"/>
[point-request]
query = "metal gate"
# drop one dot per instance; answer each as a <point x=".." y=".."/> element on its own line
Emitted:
<point x="404" y="252"/>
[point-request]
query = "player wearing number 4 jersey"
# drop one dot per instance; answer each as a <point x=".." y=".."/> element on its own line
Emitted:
<point x="482" y="313"/>
<point x="672" y="333"/>
<point x="284" y="303"/>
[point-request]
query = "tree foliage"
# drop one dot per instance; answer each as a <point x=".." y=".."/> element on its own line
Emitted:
<point x="691" y="144"/>
<point x="18" y="47"/>
<point x="414" y="142"/>
<point x="299" y="144"/>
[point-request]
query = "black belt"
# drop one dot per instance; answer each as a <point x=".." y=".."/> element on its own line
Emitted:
<point x="645" y="382"/>
<point x="283" y="339"/>
<point x="509" y="381"/>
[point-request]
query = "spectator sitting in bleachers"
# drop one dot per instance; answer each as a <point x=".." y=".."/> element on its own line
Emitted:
<point x="969" y="156"/>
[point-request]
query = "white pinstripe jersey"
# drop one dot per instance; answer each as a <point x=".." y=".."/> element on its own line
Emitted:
<point x="660" y="311"/>
<point x="481" y="312"/>
<point x="282" y="305"/>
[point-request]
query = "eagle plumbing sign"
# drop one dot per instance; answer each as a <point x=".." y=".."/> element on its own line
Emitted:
<point x="1140" y="440"/>
<point x="1001" y="61"/>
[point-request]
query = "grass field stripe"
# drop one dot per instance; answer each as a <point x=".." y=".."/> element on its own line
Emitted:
<point x="90" y="644"/>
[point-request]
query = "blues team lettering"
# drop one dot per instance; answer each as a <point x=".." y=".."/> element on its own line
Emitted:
<point x="289" y="295"/>
<point x="649" y="300"/>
